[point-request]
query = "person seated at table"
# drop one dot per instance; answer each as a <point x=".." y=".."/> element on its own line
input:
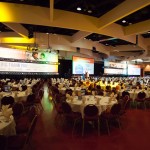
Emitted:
<point x="69" y="91"/>
<point x="93" y="91"/>
<point x="98" y="89"/>
<point x="90" y="88"/>
<point x="24" y="87"/>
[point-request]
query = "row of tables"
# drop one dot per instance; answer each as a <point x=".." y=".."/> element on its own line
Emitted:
<point x="7" y="127"/>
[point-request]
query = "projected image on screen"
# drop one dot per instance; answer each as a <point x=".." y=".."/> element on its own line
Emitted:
<point x="27" y="67"/>
<point x="82" y="65"/>
<point x="134" y="70"/>
<point x="114" y="71"/>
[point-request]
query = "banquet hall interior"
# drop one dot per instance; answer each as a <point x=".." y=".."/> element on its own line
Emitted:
<point x="74" y="74"/>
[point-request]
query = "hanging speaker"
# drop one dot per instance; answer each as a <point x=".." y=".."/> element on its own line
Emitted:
<point x="137" y="38"/>
<point x="93" y="48"/>
<point x="78" y="49"/>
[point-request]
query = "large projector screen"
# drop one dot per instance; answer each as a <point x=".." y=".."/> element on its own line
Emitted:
<point x="27" y="67"/>
<point x="81" y="65"/>
<point x="28" y="62"/>
<point x="134" y="70"/>
<point x="115" y="68"/>
<point x="114" y="71"/>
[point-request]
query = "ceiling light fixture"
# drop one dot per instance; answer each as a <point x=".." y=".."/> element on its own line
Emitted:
<point x="79" y="8"/>
<point x="124" y="21"/>
<point x="89" y="11"/>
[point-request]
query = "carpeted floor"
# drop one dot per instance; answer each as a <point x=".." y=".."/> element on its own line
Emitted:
<point x="134" y="135"/>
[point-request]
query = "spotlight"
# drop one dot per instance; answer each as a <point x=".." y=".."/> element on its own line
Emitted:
<point x="124" y="21"/>
<point x="89" y="11"/>
<point x="79" y="8"/>
<point x="30" y="35"/>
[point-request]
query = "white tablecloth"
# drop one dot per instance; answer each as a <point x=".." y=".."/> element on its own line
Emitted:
<point x="78" y="106"/>
<point x="7" y="128"/>
<point x="75" y="89"/>
<point x="18" y="96"/>
<point x="134" y="93"/>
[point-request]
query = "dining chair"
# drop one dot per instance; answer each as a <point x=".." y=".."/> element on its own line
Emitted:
<point x="7" y="100"/>
<point x="23" y="123"/>
<point x="125" y="104"/>
<point x="141" y="99"/>
<point x="22" y="141"/>
<point x="69" y="115"/>
<point x="112" y="115"/>
<point x="18" y="109"/>
<point x="91" y="113"/>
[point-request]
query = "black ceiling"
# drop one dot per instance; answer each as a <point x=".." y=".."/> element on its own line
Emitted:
<point x="46" y="29"/>
<point x="4" y="28"/>
<point x="97" y="37"/>
<point x="107" y="40"/>
<point x="146" y="35"/>
<point x="95" y="8"/>
<point x="115" y="42"/>
<point x="140" y="15"/>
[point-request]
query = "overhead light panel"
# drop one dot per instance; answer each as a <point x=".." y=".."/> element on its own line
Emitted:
<point x="124" y="21"/>
<point x="89" y="11"/>
<point x="79" y="8"/>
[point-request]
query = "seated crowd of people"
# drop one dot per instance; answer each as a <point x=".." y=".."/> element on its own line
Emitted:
<point x="122" y="87"/>
<point x="25" y="113"/>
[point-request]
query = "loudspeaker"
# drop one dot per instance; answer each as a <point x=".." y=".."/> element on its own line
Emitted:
<point x="93" y="48"/>
<point x="78" y="49"/>
<point x="137" y="39"/>
<point x="30" y="34"/>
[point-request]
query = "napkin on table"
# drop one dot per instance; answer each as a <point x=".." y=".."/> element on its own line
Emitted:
<point x="6" y="111"/>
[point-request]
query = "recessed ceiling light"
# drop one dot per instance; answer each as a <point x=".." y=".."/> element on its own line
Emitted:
<point x="89" y="11"/>
<point x="124" y="21"/>
<point x="148" y="32"/>
<point x="79" y="8"/>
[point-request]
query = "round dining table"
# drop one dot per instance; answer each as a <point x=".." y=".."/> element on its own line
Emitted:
<point x="78" y="104"/>
<point x="7" y="127"/>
